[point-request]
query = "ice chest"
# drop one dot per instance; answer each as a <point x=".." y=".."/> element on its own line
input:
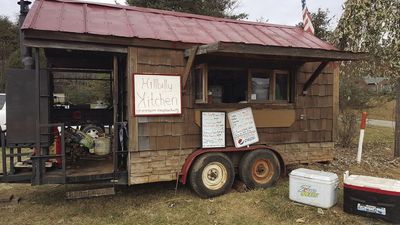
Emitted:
<point x="311" y="187"/>
<point x="373" y="197"/>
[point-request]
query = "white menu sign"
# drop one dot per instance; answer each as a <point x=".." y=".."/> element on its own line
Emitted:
<point x="243" y="128"/>
<point x="157" y="94"/>
<point x="213" y="129"/>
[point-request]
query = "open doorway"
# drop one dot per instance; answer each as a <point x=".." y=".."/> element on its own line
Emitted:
<point x="68" y="116"/>
<point x="87" y="92"/>
<point x="82" y="101"/>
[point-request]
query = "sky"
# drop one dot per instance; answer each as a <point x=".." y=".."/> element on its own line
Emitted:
<point x="287" y="12"/>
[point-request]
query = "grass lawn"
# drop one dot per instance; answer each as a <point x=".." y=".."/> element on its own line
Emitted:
<point x="158" y="204"/>
<point x="384" y="111"/>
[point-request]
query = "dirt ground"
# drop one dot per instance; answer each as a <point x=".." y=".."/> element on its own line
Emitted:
<point x="158" y="203"/>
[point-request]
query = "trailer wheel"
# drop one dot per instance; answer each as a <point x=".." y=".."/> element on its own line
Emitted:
<point x="211" y="175"/>
<point x="259" y="169"/>
<point x="93" y="130"/>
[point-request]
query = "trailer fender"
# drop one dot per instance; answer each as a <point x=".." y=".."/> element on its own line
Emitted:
<point x="192" y="157"/>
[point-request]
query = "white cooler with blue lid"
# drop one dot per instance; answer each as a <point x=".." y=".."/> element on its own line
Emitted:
<point x="312" y="187"/>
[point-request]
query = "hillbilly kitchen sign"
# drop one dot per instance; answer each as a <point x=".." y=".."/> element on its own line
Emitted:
<point x="157" y="94"/>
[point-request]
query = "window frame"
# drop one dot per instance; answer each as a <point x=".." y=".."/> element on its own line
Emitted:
<point x="204" y="78"/>
<point x="272" y="90"/>
<point x="282" y="72"/>
<point x="250" y="85"/>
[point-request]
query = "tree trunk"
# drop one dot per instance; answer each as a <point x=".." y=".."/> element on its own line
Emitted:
<point x="397" y="126"/>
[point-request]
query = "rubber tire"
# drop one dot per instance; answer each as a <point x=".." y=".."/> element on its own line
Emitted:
<point x="195" y="175"/>
<point x="245" y="168"/>
<point x="92" y="126"/>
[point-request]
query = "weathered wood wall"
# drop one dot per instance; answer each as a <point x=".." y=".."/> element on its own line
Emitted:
<point x="159" y="145"/>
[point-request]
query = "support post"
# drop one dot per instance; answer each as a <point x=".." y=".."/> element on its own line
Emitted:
<point x="361" y="140"/>
<point x="37" y="162"/>
<point x="3" y="153"/>
<point x="12" y="169"/>
<point x="397" y="124"/>
<point x="115" y="134"/>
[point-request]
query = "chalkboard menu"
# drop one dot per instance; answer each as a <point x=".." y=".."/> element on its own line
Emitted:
<point x="213" y="129"/>
<point x="243" y="128"/>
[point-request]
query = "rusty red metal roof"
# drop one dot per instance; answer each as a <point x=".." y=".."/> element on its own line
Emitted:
<point x="135" y="22"/>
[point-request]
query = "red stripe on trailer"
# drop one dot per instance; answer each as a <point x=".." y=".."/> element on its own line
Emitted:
<point x="373" y="190"/>
<point x="363" y="120"/>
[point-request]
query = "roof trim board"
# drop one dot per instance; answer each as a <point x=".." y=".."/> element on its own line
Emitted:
<point x="301" y="53"/>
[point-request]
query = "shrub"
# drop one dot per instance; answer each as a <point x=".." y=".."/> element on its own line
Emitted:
<point x="347" y="128"/>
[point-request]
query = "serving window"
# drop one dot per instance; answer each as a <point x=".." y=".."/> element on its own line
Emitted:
<point x="269" y="86"/>
<point x="226" y="85"/>
<point x="215" y="85"/>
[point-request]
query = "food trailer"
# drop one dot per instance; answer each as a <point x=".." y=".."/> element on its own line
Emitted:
<point x="180" y="85"/>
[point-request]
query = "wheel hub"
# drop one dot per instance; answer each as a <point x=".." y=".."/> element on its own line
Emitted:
<point x="214" y="176"/>
<point x="261" y="171"/>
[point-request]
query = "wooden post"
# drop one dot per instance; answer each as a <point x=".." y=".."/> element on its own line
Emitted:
<point x="361" y="139"/>
<point x="397" y="118"/>
<point x="188" y="66"/>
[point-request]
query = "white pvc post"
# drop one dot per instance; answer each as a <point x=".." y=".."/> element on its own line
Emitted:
<point x="361" y="140"/>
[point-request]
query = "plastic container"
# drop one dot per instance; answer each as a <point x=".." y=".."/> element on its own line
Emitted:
<point x="312" y="187"/>
<point x="102" y="146"/>
<point x="372" y="197"/>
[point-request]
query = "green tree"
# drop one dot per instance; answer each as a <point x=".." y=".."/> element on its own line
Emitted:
<point x="217" y="8"/>
<point x="8" y="44"/>
<point x="372" y="26"/>
<point x="321" y="22"/>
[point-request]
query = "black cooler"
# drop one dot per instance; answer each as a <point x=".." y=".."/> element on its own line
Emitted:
<point x="372" y="197"/>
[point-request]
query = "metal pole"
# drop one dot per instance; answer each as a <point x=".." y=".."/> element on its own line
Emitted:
<point x="37" y="97"/>
<point x="12" y="161"/>
<point x="63" y="153"/>
<point x="26" y="52"/>
<point x="19" y="158"/>
<point x="114" y="94"/>
<point x="3" y="151"/>
<point x="38" y="165"/>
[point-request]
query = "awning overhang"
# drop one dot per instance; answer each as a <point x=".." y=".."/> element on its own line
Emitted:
<point x="300" y="54"/>
<point x="304" y="55"/>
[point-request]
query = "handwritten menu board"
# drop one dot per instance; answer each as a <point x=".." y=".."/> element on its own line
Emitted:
<point x="243" y="128"/>
<point x="213" y="129"/>
<point x="157" y="94"/>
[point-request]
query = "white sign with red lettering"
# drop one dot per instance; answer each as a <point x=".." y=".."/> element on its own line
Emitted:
<point x="157" y="95"/>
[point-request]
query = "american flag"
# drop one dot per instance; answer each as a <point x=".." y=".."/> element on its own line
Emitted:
<point x="307" y="24"/>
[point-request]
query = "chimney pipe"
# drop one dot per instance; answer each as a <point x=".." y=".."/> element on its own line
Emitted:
<point x="26" y="52"/>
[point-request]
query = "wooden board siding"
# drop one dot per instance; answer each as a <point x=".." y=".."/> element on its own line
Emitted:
<point x="163" y="142"/>
<point x="159" y="145"/>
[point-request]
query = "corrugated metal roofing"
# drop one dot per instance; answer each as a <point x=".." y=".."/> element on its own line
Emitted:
<point x="125" y="21"/>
